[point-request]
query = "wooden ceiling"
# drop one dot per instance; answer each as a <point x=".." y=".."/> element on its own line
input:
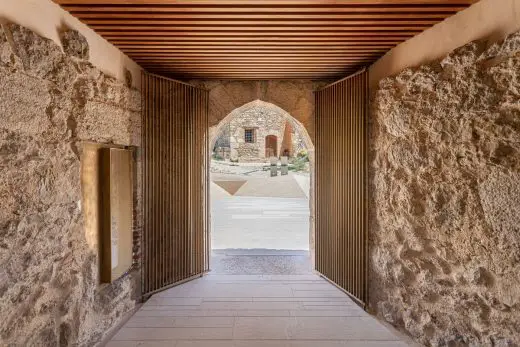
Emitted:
<point x="258" y="39"/>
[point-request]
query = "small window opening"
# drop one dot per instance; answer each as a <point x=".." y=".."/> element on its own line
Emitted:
<point x="249" y="135"/>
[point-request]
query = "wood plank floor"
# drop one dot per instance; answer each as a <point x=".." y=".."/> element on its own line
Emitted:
<point x="253" y="311"/>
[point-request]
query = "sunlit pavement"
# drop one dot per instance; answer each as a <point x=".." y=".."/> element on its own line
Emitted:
<point x="259" y="222"/>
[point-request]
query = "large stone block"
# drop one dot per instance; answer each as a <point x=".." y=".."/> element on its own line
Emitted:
<point x="40" y="56"/>
<point x="107" y="123"/>
<point x="23" y="102"/>
<point x="74" y="44"/>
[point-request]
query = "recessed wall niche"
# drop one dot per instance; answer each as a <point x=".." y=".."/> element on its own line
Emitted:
<point x="107" y="184"/>
<point x="116" y="212"/>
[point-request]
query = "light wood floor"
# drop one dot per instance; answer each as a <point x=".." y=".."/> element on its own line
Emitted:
<point x="253" y="311"/>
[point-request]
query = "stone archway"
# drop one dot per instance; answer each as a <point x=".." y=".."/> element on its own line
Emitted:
<point x="304" y="134"/>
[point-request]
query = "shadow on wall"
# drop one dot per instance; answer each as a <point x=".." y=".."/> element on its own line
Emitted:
<point x="51" y="103"/>
<point x="445" y="223"/>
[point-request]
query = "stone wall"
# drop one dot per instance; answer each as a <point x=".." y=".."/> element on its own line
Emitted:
<point x="445" y="179"/>
<point x="51" y="102"/>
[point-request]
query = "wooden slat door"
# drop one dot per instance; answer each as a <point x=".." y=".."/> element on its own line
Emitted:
<point x="175" y="169"/>
<point x="341" y="184"/>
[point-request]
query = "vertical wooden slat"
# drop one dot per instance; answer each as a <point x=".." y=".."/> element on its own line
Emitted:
<point x="197" y="183"/>
<point x="162" y="213"/>
<point x="155" y="225"/>
<point x="174" y="193"/>
<point x="184" y="187"/>
<point x="341" y="184"/>
<point x="178" y="168"/>
<point x="144" y="100"/>
<point x="317" y="114"/>
<point x="208" y="185"/>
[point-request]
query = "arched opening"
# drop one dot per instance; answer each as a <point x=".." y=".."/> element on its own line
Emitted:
<point x="271" y="146"/>
<point x="261" y="214"/>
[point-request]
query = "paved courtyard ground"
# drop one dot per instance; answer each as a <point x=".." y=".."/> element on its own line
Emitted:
<point x="260" y="224"/>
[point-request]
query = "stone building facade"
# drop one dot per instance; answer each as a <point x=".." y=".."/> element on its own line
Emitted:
<point x="257" y="134"/>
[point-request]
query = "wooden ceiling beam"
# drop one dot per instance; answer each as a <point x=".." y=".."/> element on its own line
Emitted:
<point x="261" y="64"/>
<point x="215" y="48"/>
<point x="268" y="3"/>
<point x="266" y="45"/>
<point x="260" y="50"/>
<point x="80" y="9"/>
<point x="365" y="34"/>
<point x="222" y="29"/>
<point x="281" y="24"/>
<point x="266" y="17"/>
<point x="285" y="42"/>
<point x="241" y="56"/>
<point x="256" y="59"/>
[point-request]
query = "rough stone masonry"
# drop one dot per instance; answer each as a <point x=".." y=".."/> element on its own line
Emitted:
<point x="445" y="183"/>
<point x="51" y="102"/>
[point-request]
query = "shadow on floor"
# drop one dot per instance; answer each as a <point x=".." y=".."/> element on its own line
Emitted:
<point x="260" y="262"/>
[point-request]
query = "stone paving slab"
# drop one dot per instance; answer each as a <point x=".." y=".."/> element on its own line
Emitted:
<point x="269" y="313"/>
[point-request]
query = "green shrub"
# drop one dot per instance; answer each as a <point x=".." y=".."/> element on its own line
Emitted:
<point x="299" y="162"/>
<point x="218" y="157"/>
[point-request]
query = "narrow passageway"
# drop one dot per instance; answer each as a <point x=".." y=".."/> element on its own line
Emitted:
<point x="252" y="311"/>
<point x="275" y="173"/>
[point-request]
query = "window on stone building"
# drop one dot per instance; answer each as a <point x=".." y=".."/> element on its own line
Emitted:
<point x="249" y="135"/>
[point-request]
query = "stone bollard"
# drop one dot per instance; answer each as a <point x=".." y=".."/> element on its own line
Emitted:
<point x="274" y="166"/>
<point x="285" y="165"/>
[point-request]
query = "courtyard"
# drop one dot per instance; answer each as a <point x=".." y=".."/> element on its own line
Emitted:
<point x="260" y="224"/>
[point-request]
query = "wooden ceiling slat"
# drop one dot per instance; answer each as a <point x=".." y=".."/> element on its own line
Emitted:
<point x="249" y="54"/>
<point x="144" y="43"/>
<point x="216" y="45"/>
<point x="259" y="39"/>
<point x="256" y="29"/>
<point x="283" y="23"/>
<point x="216" y="35"/>
<point x="295" y="64"/>
<point x="267" y="17"/>
<point x="80" y="10"/>
<point x="195" y="70"/>
<point x="258" y="67"/>
<point x="255" y="59"/>
<point x="266" y="3"/>
<point x="260" y="50"/>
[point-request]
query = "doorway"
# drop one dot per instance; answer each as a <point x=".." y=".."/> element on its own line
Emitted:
<point x="271" y="146"/>
<point x="176" y="133"/>
<point x="260" y="213"/>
